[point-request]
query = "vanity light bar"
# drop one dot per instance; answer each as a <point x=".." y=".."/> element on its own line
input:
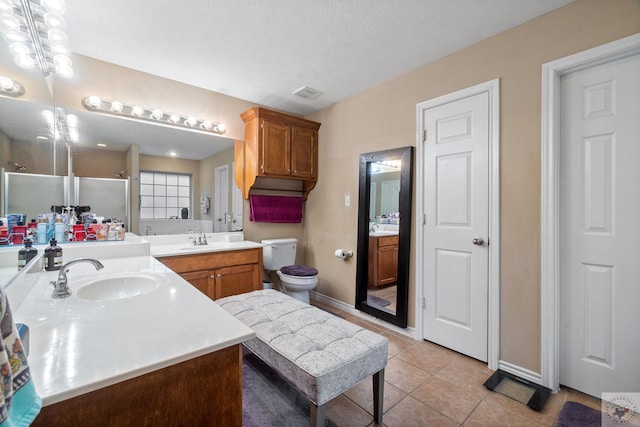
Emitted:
<point x="153" y="115"/>
<point x="62" y="125"/>
<point x="10" y="87"/>
<point x="35" y="33"/>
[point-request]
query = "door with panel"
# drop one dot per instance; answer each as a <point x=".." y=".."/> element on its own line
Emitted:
<point x="456" y="206"/>
<point x="599" y="232"/>
<point x="221" y="199"/>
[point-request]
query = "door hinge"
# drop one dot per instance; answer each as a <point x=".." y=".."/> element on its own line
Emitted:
<point x="424" y="135"/>
<point x="424" y="302"/>
<point x="424" y="219"/>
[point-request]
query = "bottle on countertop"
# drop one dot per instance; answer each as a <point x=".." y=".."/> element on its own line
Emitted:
<point x="26" y="254"/>
<point x="93" y="230"/>
<point x="53" y="256"/>
<point x="104" y="230"/>
<point x="59" y="229"/>
<point x="4" y="234"/>
<point x="32" y="229"/>
<point x="41" y="230"/>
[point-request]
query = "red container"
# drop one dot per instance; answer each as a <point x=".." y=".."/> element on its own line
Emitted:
<point x="18" y="234"/>
<point x="79" y="234"/>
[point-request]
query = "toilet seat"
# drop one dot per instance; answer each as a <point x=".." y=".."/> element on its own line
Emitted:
<point x="298" y="275"/>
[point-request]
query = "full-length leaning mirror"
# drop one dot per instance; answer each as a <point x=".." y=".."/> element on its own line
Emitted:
<point x="384" y="234"/>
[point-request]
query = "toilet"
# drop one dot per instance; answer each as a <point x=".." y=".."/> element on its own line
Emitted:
<point x="279" y="255"/>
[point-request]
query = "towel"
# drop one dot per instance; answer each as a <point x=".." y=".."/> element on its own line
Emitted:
<point x="275" y="209"/>
<point x="19" y="403"/>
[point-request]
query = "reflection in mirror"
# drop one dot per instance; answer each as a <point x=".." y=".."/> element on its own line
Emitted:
<point x="106" y="149"/>
<point x="384" y="234"/>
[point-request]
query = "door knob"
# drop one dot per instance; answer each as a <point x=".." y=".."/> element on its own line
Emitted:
<point x="478" y="241"/>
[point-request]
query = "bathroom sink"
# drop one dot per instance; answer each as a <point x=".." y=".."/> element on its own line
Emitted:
<point x="120" y="286"/>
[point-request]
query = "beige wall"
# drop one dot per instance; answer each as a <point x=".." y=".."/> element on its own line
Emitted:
<point x="385" y="117"/>
<point x="98" y="163"/>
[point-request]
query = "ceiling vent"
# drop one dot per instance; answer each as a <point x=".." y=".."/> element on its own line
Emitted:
<point x="307" y="92"/>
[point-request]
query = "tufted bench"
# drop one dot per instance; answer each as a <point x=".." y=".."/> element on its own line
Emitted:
<point x="320" y="354"/>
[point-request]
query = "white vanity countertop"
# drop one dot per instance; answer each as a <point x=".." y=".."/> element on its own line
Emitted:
<point x="182" y="244"/>
<point x="79" y="345"/>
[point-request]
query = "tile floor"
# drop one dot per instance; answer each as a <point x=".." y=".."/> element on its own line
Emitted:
<point x="429" y="385"/>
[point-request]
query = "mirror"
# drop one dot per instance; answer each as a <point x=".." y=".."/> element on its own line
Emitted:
<point x="21" y="125"/>
<point x="384" y="234"/>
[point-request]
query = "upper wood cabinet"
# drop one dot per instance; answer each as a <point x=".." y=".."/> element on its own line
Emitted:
<point x="277" y="145"/>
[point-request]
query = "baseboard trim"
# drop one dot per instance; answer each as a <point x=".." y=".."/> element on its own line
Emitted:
<point x="521" y="372"/>
<point x="409" y="331"/>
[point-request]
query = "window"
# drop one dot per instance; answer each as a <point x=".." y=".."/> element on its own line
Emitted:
<point x="163" y="195"/>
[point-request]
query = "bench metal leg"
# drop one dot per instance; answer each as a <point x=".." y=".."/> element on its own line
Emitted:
<point x="378" y="396"/>
<point x="317" y="416"/>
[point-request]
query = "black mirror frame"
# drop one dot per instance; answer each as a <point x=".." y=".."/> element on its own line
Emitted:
<point x="405" y="154"/>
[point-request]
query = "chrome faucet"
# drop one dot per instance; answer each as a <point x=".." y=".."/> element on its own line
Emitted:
<point x="61" y="289"/>
<point x="147" y="229"/>
<point x="373" y="227"/>
<point x="200" y="241"/>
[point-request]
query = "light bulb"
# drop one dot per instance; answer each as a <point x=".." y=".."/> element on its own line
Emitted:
<point x="48" y="116"/>
<point x="156" y="114"/>
<point x="206" y="125"/>
<point x="18" y="48"/>
<point x="137" y="111"/>
<point x="57" y="36"/>
<point x="93" y="101"/>
<point x="174" y="118"/>
<point x="191" y="121"/>
<point x="25" y="61"/>
<point x="72" y="121"/>
<point x="10" y="22"/>
<point x="6" y="83"/>
<point x="116" y="106"/>
<point x="55" y="6"/>
<point x="220" y="128"/>
<point x="15" y="36"/>
<point x="54" y="20"/>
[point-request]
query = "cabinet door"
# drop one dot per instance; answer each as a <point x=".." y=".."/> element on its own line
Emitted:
<point x="304" y="157"/>
<point x="202" y="281"/>
<point x="237" y="280"/>
<point x="276" y="149"/>
<point x="387" y="265"/>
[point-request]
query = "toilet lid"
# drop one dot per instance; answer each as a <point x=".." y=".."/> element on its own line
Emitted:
<point x="299" y="270"/>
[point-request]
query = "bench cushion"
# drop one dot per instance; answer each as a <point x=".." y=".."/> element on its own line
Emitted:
<point x="321" y="354"/>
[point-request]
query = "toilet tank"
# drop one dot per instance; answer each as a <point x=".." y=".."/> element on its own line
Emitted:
<point x="278" y="253"/>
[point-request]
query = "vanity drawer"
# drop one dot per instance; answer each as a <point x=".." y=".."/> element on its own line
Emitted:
<point x="207" y="261"/>
<point x="388" y="241"/>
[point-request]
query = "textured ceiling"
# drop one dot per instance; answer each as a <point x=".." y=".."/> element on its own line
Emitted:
<point x="263" y="50"/>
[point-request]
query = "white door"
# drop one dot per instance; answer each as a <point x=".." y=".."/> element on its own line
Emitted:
<point x="236" y="203"/>
<point x="599" y="228"/>
<point x="221" y="199"/>
<point x="456" y="204"/>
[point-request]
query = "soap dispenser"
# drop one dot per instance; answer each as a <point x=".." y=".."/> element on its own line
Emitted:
<point x="53" y="256"/>
<point x="26" y="254"/>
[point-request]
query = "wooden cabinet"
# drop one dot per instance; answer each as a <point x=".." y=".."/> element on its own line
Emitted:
<point x="220" y="274"/>
<point x="277" y="146"/>
<point x="383" y="261"/>
<point x="204" y="391"/>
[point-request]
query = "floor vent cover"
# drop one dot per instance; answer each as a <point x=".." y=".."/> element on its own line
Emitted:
<point x="525" y="392"/>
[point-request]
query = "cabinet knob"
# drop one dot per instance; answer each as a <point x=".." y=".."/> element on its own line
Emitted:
<point x="212" y="277"/>
<point x="219" y="275"/>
